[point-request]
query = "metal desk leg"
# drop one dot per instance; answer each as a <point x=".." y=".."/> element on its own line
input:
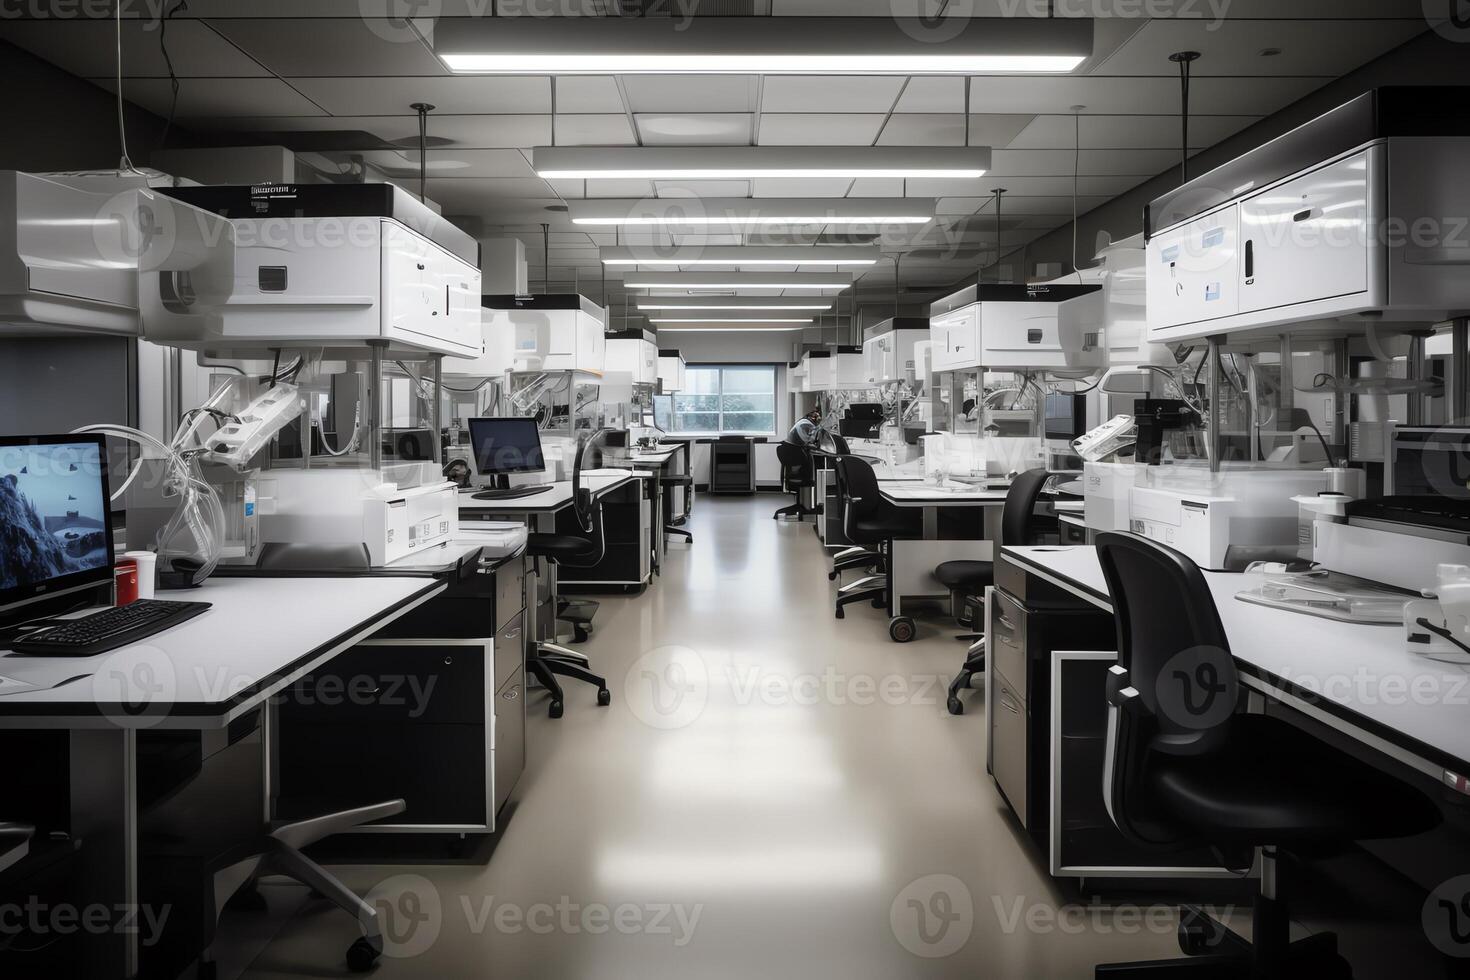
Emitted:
<point x="104" y="816"/>
<point x="658" y="521"/>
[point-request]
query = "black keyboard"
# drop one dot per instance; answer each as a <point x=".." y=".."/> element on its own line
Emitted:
<point x="108" y="629"/>
<point x="513" y="493"/>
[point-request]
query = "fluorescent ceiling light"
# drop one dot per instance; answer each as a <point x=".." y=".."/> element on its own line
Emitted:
<point x="762" y="45"/>
<point x="769" y="306"/>
<point x="742" y="255"/>
<point x="737" y="280"/>
<point x="750" y="213"/>
<point x="726" y="319"/>
<point x="726" y="327"/>
<point x="748" y="162"/>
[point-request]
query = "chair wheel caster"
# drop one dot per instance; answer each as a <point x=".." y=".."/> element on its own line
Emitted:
<point x="955" y="705"/>
<point x="840" y="613"/>
<point x="556" y="709"/>
<point x="831" y="576"/>
<point x="604" y="697"/>
<point x="1198" y="933"/>
<point x="362" y="956"/>
<point x="580" y="635"/>
<point x="901" y="629"/>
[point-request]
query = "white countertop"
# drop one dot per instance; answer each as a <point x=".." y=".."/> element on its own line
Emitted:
<point x="559" y="496"/>
<point x="910" y="493"/>
<point x="1331" y="670"/>
<point x="261" y="635"/>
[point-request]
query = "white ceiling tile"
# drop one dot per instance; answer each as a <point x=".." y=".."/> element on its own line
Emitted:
<point x="488" y="132"/>
<point x="933" y="93"/>
<point x="801" y="187"/>
<point x="1109" y="186"/>
<point x="1115" y="132"/>
<point x="471" y="195"/>
<point x="1126" y="96"/>
<point x="691" y="93"/>
<point x="809" y="129"/>
<point x="829" y="93"/>
<point x="1056" y="163"/>
<point x="1232" y="47"/>
<point x="87" y="48"/>
<point x="588" y="93"/>
<point x="695" y="128"/>
<point x="458" y="94"/>
<point x="330" y="46"/>
<point x="632" y="189"/>
<point x="214" y="100"/>
<point x="877" y="187"/>
<point x="924" y="129"/>
<point x="674" y="189"/>
<point x="997" y="129"/>
<point x="603" y="130"/>
<point x="455" y="163"/>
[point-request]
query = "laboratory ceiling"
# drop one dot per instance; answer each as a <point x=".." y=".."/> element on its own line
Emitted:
<point x="335" y="79"/>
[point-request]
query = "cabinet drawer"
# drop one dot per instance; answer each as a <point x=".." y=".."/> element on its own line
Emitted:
<point x="510" y="591"/>
<point x="1006" y="640"/>
<point x="510" y="736"/>
<point x="381" y="684"/>
<point x="1010" y="752"/>
<point x="510" y="649"/>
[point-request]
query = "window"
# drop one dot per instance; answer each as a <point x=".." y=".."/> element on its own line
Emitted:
<point x="729" y="398"/>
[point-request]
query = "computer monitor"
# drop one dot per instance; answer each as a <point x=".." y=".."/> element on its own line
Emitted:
<point x="1066" y="417"/>
<point x="55" y="517"/>
<point x="505" y="446"/>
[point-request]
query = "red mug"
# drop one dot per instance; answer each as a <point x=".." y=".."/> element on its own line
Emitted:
<point x="125" y="582"/>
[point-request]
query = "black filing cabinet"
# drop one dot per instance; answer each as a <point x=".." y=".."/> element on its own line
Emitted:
<point x="431" y="710"/>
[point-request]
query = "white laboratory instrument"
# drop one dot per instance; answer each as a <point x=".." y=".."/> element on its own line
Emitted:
<point x="889" y="349"/>
<point x="1223" y="520"/>
<point x="632" y="358"/>
<point x="560" y="332"/>
<point x="73" y="246"/>
<point x="671" y="371"/>
<point x="326" y="265"/>
<point x="1320" y="224"/>
<point x="818" y="370"/>
<point x="1438" y="625"/>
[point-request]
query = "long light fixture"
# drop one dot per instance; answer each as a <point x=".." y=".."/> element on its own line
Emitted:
<point x="726" y="319"/>
<point x="678" y="212"/>
<point x="750" y="162"/>
<point x="740" y="255"/>
<point x="775" y="304"/>
<point x="737" y="281"/>
<point x="761" y="45"/>
<point x="729" y="325"/>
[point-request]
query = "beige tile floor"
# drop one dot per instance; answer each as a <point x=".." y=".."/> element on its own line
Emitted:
<point x="773" y="793"/>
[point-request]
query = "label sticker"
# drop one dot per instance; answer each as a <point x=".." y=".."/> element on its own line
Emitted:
<point x="1212" y="292"/>
<point x="1212" y="237"/>
<point x="1169" y="254"/>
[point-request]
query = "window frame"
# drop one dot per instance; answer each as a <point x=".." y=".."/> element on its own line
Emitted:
<point x="720" y="370"/>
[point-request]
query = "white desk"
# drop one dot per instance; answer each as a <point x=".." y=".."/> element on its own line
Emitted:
<point x="261" y="636"/>
<point x="912" y="562"/>
<point x="547" y="501"/>
<point x="1357" y="679"/>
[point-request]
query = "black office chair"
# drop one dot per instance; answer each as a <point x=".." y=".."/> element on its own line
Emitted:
<point x="1184" y="770"/>
<point x="855" y="556"/>
<point x="967" y="580"/>
<point x="796" y="477"/>
<point x="548" y="659"/>
<point x="867" y="519"/>
<point x="685" y="482"/>
<point x="15" y="843"/>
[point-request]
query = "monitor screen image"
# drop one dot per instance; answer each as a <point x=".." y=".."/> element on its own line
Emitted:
<point x="1066" y="416"/>
<point x="55" y="525"/>
<point x="503" y="446"/>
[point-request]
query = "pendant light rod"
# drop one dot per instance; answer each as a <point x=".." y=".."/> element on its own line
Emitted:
<point x="1184" y="59"/>
<point x="423" y="109"/>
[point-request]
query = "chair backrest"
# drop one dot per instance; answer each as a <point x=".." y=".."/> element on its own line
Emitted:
<point x="796" y="464"/>
<point x="1174" y="688"/>
<point x="839" y="445"/>
<point x="586" y="507"/>
<point x="858" y="485"/>
<point x="1020" y="507"/>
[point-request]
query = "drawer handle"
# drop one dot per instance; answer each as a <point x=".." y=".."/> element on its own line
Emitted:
<point x="1000" y="619"/>
<point x="449" y="661"/>
<point x="513" y="633"/>
<point x="512" y="694"/>
<point x="1009" y="705"/>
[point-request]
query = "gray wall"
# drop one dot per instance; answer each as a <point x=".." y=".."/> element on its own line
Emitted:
<point x="1428" y="59"/>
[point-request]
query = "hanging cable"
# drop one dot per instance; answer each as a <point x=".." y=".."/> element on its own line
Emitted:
<point x="125" y="162"/>
<point x="173" y="78"/>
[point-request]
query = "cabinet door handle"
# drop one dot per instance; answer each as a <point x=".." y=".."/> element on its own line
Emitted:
<point x="513" y="633"/>
<point x="512" y="694"/>
<point x="1000" y="619"/>
<point x="1009" y="705"/>
<point x="1250" y="259"/>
